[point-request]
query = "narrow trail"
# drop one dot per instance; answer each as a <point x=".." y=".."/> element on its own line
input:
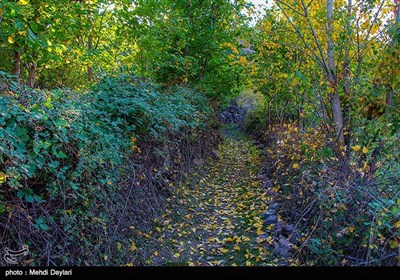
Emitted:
<point x="215" y="216"/>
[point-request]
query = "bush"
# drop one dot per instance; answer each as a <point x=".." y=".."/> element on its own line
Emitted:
<point x="68" y="161"/>
<point x="347" y="211"/>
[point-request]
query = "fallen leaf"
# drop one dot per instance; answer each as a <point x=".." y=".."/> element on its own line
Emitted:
<point x="133" y="246"/>
<point x="259" y="231"/>
<point x="223" y="250"/>
<point x="356" y="148"/>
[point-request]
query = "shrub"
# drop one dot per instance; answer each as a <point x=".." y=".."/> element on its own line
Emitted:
<point x="68" y="161"/>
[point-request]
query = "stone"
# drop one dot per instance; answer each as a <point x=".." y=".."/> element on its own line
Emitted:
<point x="274" y="206"/>
<point x="282" y="250"/>
<point x="283" y="242"/>
<point x="215" y="155"/>
<point x="269" y="213"/>
<point x="198" y="161"/>
<point x="261" y="176"/>
<point x="295" y="238"/>
<point x="288" y="229"/>
<point x="271" y="220"/>
<point x="266" y="184"/>
<point x="270" y="192"/>
<point x="278" y="228"/>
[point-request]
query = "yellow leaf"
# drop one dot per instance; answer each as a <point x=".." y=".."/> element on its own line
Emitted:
<point x="23" y="2"/>
<point x="245" y="239"/>
<point x="129" y="264"/>
<point x="397" y="225"/>
<point x="229" y="239"/>
<point x="296" y="166"/>
<point x="351" y="229"/>
<point x="3" y="178"/>
<point x="177" y="255"/>
<point x="156" y="253"/>
<point x="236" y="248"/>
<point x="248" y="263"/>
<point x="109" y="183"/>
<point x="133" y="247"/>
<point x="356" y="148"/>
<point x="11" y="39"/>
<point x="259" y="231"/>
<point x="223" y="250"/>
<point x="365" y="150"/>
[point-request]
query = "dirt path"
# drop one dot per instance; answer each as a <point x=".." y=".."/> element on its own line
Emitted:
<point x="215" y="216"/>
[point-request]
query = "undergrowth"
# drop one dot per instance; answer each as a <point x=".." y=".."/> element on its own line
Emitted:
<point x="347" y="207"/>
<point x="76" y="166"/>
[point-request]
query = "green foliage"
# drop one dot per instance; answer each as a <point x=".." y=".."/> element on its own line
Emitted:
<point x="78" y="148"/>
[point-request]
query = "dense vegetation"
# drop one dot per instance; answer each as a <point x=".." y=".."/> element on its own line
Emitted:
<point x="105" y="104"/>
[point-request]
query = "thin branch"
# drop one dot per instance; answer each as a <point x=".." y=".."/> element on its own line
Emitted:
<point x="290" y="7"/>
<point x="321" y="52"/>
<point x="316" y="58"/>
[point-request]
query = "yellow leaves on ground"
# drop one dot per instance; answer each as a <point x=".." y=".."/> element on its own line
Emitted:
<point x="215" y="216"/>
<point x="296" y="166"/>
<point x="365" y="150"/>
<point x="397" y="225"/>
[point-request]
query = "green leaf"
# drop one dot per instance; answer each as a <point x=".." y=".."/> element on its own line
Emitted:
<point x="32" y="35"/>
<point x="20" y="194"/>
<point x="44" y="227"/>
<point x="19" y="131"/>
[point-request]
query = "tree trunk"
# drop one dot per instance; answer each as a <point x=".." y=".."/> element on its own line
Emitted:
<point x="346" y="75"/>
<point x="17" y="67"/>
<point x="331" y="69"/>
<point x="31" y="74"/>
<point x="90" y="67"/>
<point x="389" y="94"/>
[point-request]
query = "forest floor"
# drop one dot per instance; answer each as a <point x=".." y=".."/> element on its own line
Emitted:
<point x="215" y="215"/>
